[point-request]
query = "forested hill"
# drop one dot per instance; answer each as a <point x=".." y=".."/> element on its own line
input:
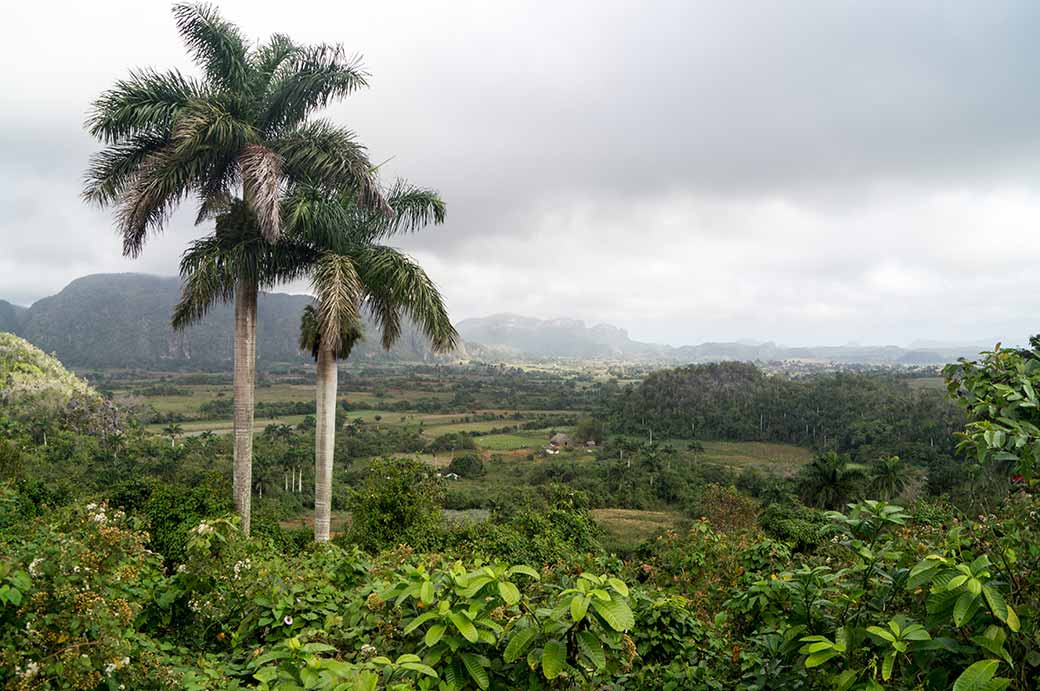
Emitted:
<point x="867" y="416"/>
<point x="123" y="320"/>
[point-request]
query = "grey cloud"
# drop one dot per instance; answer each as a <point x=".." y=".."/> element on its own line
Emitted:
<point x="803" y="171"/>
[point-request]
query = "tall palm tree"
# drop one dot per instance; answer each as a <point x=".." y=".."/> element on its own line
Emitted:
<point x="830" y="480"/>
<point x="244" y="130"/>
<point x="888" y="477"/>
<point x="351" y="272"/>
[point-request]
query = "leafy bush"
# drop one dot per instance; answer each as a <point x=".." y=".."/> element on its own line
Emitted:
<point x="397" y="503"/>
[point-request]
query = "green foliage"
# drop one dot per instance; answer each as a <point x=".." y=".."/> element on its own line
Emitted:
<point x="999" y="394"/>
<point x="589" y="429"/>
<point x="397" y="503"/>
<point x="468" y="465"/>
<point x="458" y="441"/>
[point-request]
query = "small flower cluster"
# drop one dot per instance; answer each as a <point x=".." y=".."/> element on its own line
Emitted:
<point x="204" y="529"/>
<point x="116" y="664"/>
<point x="240" y="566"/>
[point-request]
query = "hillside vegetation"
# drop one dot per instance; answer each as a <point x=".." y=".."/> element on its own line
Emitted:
<point x="672" y="565"/>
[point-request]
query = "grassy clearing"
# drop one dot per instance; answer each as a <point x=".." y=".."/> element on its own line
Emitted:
<point x="626" y="528"/>
<point x="775" y="459"/>
<point x="225" y="426"/>
<point x="526" y="439"/>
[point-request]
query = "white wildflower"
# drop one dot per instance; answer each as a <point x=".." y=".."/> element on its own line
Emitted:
<point x="288" y="620"/>
<point x="34" y="566"/>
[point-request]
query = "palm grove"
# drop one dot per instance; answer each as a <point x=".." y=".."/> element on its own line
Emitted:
<point x="290" y="196"/>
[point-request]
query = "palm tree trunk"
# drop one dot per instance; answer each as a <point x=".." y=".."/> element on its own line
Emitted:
<point x="245" y="376"/>
<point x="324" y="442"/>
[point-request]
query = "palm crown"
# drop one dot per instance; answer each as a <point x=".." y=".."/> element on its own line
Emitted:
<point x="335" y="240"/>
<point x="245" y="125"/>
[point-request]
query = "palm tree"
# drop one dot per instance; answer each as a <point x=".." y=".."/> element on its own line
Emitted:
<point x="352" y="273"/>
<point x="173" y="430"/>
<point x="830" y="480"/>
<point x="888" y="477"/>
<point x="239" y="139"/>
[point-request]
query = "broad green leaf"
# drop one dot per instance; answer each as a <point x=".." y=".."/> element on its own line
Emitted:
<point x="618" y="585"/>
<point x="434" y="634"/>
<point x="593" y="649"/>
<point x="616" y="613"/>
<point x="996" y="602"/>
<point x="509" y="592"/>
<point x="475" y="584"/>
<point x="518" y="644"/>
<point x="963" y="610"/>
<point x="579" y="605"/>
<point x="465" y="626"/>
<point x="887" y="665"/>
<point x="420" y="668"/>
<point x="977" y="676"/>
<point x="426" y="592"/>
<point x="554" y="657"/>
<point x="1012" y="620"/>
<point x="476" y="669"/>
<point x="817" y="659"/>
<point x="419" y="621"/>
<point x="880" y="633"/>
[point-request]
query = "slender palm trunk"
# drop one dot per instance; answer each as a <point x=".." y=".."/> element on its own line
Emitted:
<point x="245" y="376"/>
<point x="324" y="442"/>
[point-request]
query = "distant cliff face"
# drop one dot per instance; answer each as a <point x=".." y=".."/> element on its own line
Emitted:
<point x="123" y="320"/>
<point x="567" y="338"/>
<point x="11" y="317"/>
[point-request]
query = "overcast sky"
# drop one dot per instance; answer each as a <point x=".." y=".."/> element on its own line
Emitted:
<point x="805" y="172"/>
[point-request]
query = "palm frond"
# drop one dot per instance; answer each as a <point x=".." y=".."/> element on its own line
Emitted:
<point x="112" y="169"/>
<point x="146" y="103"/>
<point x="309" y="79"/>
<point x="310" y="334"/>
<point x="208" y="127"/>
<point x="394" y="282"/>
<point x="319" y="153"/>
<point x="214" y="192"/>
<point x="261" y="177"/>
<point x="215" y="44"/>
<point x="161" y="182"/>
<point x="206" y="281"/>
<point x="337" y="291"/>
<point x="269" y="59"/>
<point x="414" y="208"/>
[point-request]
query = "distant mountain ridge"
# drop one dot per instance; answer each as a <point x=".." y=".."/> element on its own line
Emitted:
<point x="511" y="335"/>
<point x="123" y="320"/>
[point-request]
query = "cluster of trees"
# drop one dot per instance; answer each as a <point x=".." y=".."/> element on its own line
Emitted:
<point x="867" y="416"/>
<point x="291" y="196"/>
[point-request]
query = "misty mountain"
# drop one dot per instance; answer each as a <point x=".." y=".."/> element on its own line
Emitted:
<point x="509" y="335"/>
<point x="549" y="338"/>
<point x="123" y="320"/>
<point x="11" y="317"/>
